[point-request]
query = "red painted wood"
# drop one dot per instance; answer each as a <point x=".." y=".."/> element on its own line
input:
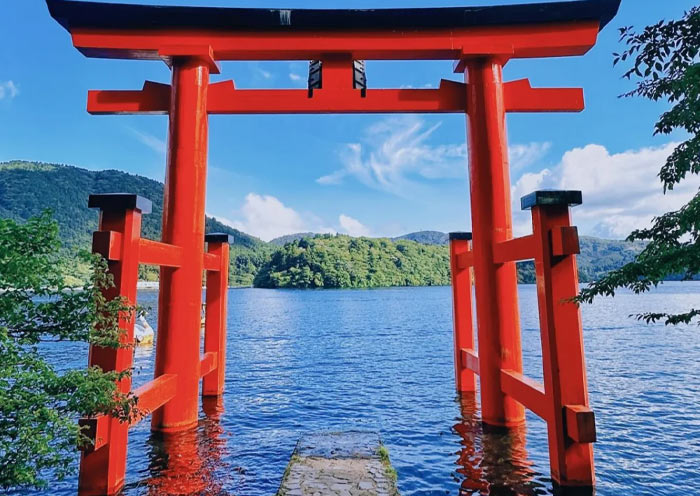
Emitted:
<point x="108" y="244"/>
<point x="225" y="99"/>
<point x="155" y="394"/>
<point x="580" y="423"/>
<point x="481" y="52"/>
<point x="562" y="347"/>
<point x="203" y="53"/>
<point x="521" y="97"/>
<point x="215" y="319"/>
<point x="153" y="98"/>
<point x="207" y="363"/>
<point x="465" y="379"/>
<point x="470" y="360"/>
<point x="514" y="249"/>
<point x="527" y="392"/>
<point x="465" y="260"/>
<point x="565" y="241"/>
<point x="544" y="40"/>
<point x="180" y="298"/>
<point x="157" y="253"/>
<point x="338" y="96"/>
<point x="97" y="430"/>
<point x="150" y="397"/>
<point x="498" y="322"/>
<point x="102" y="470"/>
<point x="212" y="262"/>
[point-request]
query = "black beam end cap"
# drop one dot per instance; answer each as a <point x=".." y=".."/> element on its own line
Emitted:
<point x="115" y="202"/>
<point x="460" y="236"/>
<point x="548" y="197"/>
<point x="218" y="238"/>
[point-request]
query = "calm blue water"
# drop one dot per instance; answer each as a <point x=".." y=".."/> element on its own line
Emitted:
<point x="301" y="361"/>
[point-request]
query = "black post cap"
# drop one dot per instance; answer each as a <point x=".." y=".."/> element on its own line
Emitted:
<point x="115" y="202"/>
<point x="218" y="238"/>
<point x="543" y="198"/>
<point x="460" y="236"/>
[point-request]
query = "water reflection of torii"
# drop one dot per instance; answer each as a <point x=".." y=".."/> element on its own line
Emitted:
<point x="481" y="40"/>
<point x="190" y="462"/>
<point x="495" y="461"/>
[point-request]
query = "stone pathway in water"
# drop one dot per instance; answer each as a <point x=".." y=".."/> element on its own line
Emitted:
<point x="339" y="464"/>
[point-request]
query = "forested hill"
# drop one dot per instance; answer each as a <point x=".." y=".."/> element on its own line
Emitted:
<point x="296" y="260"/>
<point x="426" y="237"/>
<point x="340" y="261"/>
<point x="28" y="188"/>
<point x="333" y="261"/>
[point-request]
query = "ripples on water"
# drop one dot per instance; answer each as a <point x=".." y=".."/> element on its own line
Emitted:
<point x="301" y="361"/>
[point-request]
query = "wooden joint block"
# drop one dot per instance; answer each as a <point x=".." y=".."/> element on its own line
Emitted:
<point x="580" y="423"/>
<point x="97" y="430"/>
<point x="208" y="363"/>
<point x="108" y="244"/>
<point x="464" y="260"/>
<point x="565" y="241"/>
<point x="469" y="360"/>
<point x="205" y="53"/>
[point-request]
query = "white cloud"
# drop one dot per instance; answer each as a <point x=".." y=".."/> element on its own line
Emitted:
<point x="621" y="191"/>
<point x="522" y="156"/>
<point x="295" y="77"/>
<point x="8" y="89"/>
<point x="353" y="227"/>
<point x="154" y="143"/>
<point x="266" y="217"/>
<point x="395" y="155"/>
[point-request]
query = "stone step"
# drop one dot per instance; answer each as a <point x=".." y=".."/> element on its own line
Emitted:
<point x="353" y="463"/>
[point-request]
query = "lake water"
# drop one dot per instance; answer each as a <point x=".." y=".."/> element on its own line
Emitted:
<point x="304" y="361"/>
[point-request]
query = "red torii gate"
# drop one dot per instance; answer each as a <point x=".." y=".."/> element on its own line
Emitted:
<point x="481" y="40"/>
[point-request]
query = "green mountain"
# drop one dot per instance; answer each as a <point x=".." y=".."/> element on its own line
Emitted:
<point x="288" y="238"/>
<point x="302" y="260"/>
<point x="426" y="237"/>
<point x="340" y="261"/>
<point x="28" y="188"/>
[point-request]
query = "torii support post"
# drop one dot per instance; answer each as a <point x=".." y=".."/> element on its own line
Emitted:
<point x="571" y="429"/>
<point x="180" y="298"/>
<point x="460" y="269"/>
<point x="215" y="313"/>
<point x="498" y="322"/>
<point x="562" y="401"/>
<point x="103" y="466"/>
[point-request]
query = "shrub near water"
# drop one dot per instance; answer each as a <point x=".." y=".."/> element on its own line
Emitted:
<point x="40" y="404"/>
<point x="340" y="261"/>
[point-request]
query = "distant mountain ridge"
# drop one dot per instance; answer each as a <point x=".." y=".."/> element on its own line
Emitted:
<point x="294" y="260"/>
<point x="422" y="237"/>
<point x="288" y="238"/>
<point x="28" y="188"/>
<point x="598" y="256"/>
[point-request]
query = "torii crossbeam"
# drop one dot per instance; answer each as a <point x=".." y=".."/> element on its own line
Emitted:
<point x="480" y="41"/>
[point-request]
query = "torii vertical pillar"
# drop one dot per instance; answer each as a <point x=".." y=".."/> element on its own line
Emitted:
<point x="498" y="323"/>
<point x="180" y="298"/>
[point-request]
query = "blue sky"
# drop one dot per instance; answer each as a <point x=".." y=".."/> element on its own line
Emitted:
<point x="373" y="175"/>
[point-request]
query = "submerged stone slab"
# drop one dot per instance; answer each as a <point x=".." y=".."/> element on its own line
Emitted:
<point x="339" y="464"/>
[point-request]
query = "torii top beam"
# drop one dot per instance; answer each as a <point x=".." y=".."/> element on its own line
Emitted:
<point x="530" y="30"/>
<point x="337" y="37"/>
